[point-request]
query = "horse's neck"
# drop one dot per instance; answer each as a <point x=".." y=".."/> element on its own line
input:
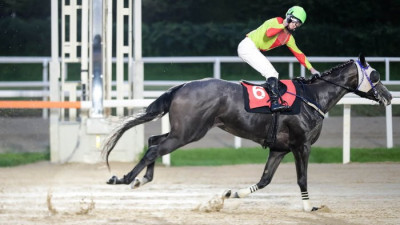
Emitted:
<point x="328" y="94"/>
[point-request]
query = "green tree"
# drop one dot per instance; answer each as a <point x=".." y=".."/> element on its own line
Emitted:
<point x="215" y="27"/>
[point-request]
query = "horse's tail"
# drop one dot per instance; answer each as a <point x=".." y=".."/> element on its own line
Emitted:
<point x="158" y="108"/>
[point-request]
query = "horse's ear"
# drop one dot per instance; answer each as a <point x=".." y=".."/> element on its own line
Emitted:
<point x="361" y="57"/>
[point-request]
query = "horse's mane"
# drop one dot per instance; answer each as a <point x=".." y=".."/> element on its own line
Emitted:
<point x="325" y="73"/>
<point x="337" y="67"/>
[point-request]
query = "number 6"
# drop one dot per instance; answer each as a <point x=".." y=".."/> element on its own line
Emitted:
<point x="258" y="92"/>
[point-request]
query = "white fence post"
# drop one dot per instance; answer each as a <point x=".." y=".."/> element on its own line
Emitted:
<point x="387" y="69"/>
<point x="165" y="128"/>
<point x="302" y="71"/>
<point x="45" y="79"/>
<point x="238" y="142"/>
<point x="389" y="127"/>
<point x="217" y="68"/>
<point x="346" y="133"/>
<point x="290" y="70"/>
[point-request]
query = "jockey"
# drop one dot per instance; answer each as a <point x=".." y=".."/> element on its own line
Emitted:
<point x="273" y="33"/>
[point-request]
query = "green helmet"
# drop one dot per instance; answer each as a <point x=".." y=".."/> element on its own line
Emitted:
<point x="297" y="12"/>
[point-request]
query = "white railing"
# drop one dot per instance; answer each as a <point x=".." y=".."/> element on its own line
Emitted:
<point x="216" y="60"/>
<point x="44" y="84"/>
<point x="347" y="101"/>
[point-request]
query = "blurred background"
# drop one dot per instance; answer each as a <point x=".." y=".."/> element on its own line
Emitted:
<point x="207" y="28"/>
<point x="214" y="28"/>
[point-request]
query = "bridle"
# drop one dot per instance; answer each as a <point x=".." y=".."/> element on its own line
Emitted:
<point x="363" y="70"/>
<point x="365" y="75"/>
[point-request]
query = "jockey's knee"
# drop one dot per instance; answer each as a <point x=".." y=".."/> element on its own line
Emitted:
<point x="270" y="73"/>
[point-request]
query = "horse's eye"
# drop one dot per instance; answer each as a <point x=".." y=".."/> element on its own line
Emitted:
<point x="374" y="76"/>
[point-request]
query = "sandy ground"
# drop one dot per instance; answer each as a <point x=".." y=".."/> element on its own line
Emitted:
<point x="44" y="193"/>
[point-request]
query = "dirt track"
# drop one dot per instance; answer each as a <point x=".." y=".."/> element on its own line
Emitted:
<point x="44" y="193"/>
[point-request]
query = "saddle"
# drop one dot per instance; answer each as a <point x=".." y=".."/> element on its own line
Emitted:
<point x="256" y="98"/>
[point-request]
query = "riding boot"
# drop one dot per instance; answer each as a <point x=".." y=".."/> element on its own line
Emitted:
<point x="271" y="86"/>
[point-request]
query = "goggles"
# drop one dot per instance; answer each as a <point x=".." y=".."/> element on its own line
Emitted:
<point x="295" y="21"/>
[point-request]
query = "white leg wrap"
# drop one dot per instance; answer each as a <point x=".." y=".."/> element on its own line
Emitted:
<point x="306" y="202"/>
<point x="139" y="182"/>
<point x="246" y="191"/>
<point x="307" y="206"/>
<point x="143" y="181"/>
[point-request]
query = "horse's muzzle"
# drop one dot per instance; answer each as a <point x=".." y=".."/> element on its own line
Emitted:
<point x="384" y="97"/>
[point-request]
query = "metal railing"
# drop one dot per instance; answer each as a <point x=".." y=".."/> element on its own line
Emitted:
<point x="20" y="89"/>
<point x="7" y="88"/>
<point x="215" y="60"/>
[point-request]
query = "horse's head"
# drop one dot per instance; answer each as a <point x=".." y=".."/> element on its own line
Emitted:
<point x="369" y="83"/>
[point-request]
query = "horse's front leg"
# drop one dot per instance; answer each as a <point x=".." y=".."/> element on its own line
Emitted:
<point x="301" y="156"/>
<point x="274" y="159"/>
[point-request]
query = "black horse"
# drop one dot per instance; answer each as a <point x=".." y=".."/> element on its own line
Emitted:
<point x="197" y="106"/>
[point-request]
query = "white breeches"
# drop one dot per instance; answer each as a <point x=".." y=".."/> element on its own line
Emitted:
<point x="248" y="51"/>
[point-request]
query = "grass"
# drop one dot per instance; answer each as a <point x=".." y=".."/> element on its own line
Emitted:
<point x="228" y="156"/>
<point x="15" y="159"/>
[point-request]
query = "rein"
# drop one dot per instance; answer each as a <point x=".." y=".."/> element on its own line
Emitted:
<point x="314" y="106"/>
<point x="356" y="91"/>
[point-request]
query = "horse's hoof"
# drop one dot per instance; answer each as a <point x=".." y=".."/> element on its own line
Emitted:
<point x="226" y="194"/>
<point x="135" y="183"/>
<point x="113" y="180"/>
<point x="314" y="209"/>
<point x="234" y="195"/>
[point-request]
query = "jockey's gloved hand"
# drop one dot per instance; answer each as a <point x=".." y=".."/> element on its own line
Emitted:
<point x="315" y="74"/>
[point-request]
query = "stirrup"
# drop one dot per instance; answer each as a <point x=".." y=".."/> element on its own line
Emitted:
<point x="279" y="108"/>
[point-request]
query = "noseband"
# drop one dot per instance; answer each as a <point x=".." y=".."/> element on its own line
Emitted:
<point x="364" y="74"/>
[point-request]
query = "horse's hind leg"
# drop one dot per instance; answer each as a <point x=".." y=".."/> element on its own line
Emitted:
<point x="274" y="159"/>
<point x="148" y="177"/>
<point x="181" y="134"/>
<point x="166" y="146"/>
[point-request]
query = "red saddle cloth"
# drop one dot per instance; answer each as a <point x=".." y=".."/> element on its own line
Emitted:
<point x="258" y="97"/>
